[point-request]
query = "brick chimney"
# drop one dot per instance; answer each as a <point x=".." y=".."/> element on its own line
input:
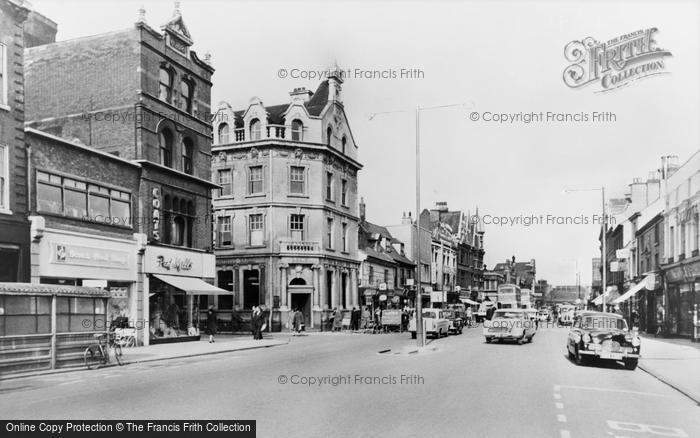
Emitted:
<point x="302" y="93"/>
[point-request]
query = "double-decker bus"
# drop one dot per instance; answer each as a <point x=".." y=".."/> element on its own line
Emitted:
<point x="508" y="296"/>
<point x="525" y="299"/>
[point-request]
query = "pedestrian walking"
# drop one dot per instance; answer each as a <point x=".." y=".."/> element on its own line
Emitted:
<point x="365" y="317"/>
<point x="354" y="319"/>
<point x="211" y="323"/>
<point x="290" y="321"/>
<point x="470" y="315"/>
<point x="254" y="319"/>
<point x="298" y="321"/>
<point x="337" y="320"/>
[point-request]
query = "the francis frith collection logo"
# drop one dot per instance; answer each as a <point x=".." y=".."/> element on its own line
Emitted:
<point x="616" y="62"/>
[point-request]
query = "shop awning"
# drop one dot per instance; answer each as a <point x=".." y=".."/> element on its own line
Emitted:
<point x="610" y="295"/>
<point x="468" y="301"/>
<point x="633" y="290"/>
<point x="193" y="286"/>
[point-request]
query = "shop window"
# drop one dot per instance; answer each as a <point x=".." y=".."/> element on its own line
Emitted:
<point x="256" y="229"/>
<point x="296" y="227"/>
<point x="255" y="180"/>
<point x="9" y="264"/>
<point x="225" y="182"/>
<point x="225" y="302"/>
<point x="297" y="130"/>
<point x="297" y="180"/>
<point x="187" y="156"/>
<point x="166" y="85"/>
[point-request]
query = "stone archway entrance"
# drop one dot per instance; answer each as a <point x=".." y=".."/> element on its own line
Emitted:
<point x="300" y="298"/>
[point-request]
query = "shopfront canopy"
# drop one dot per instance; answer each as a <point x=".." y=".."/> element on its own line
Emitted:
<point x="468" y="301"/>
<point x="627" y="295"/>
<point x="191" y="285"/>
<point x="610" y="295"/>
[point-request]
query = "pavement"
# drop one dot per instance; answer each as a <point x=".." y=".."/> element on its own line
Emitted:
<point x="675" y="362"/>
<point x="340" y="385"/>
<point x="151" y="353"/>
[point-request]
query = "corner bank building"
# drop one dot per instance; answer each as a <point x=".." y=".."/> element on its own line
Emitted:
<point x="287" y="210"/>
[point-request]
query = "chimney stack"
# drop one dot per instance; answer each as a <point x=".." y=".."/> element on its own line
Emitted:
<point x="302" y="93"/>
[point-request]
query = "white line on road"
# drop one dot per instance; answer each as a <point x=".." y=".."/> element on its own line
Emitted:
<point x="70" y="382"/>
<point x="561" y="418"/>
<point x="557" y="396"/>
<point x="590" y="388"/>
<point x="564" y="434"/>
<point x="559" y="405"/>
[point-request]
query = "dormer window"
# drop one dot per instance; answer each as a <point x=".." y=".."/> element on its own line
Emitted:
<point x="223" y="133"/>
<point x="255" y="129"/>
<point x="187" y="92"/>
<point x="297" y="130"/>
<point x="166" y="85"/>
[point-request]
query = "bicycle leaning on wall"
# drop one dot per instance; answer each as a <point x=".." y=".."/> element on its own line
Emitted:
<point x="98" y="354"/>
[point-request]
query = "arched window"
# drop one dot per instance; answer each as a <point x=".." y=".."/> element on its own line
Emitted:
<point x="329" y="135"/>
<point x="165" y="141"/>
<point x="187" y="155"/>
<point x="179" y="230"/>
<point x="297" y="130"/>
<point x="255" y="129"/>
<point x="223" y="133"/>
<point x="166" y="85"/>
<point x="187" y="92"/>
<point x="344" y="141"/>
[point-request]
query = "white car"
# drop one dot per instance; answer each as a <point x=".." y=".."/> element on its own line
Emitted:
<point x="510" y="324"/>
<point x="435" y="323"/>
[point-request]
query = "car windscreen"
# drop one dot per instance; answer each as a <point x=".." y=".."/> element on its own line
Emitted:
<point x="429" y="315"/>
<point x="603" y="323"/>
<point x="508" y="315"/>
<point x="448" y="314"/>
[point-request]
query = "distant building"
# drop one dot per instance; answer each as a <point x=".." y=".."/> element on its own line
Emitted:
<point x="596" y="275"/>
<point x="568" y="294"/>
<point x="521" y="274"/>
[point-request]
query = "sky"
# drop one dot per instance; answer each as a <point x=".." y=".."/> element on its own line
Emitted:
<point x="486" y="57"/>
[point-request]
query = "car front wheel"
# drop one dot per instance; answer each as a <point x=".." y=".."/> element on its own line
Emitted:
<point x="488" y="340"/>
<point x="413" y="335"/>
<point x="631" y="364"/>
<point x="580" y="358"/>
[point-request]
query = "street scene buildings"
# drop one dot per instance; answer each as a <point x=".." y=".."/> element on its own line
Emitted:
<point x="141" y="224"/>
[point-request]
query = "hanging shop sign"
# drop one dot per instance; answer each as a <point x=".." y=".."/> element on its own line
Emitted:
<point x="156" y="203"/>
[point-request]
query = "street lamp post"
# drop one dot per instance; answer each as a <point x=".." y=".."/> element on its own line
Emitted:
<point x="420" y="333"/>
<point x="604" y="228"/>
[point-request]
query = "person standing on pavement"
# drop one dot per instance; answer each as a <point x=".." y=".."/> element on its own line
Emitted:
<point x="470" y="315"/>
<point x="365" y="317"/>
<point x="337" y="320"/>
<point x="211" y="323"/>
<point x="298" y="321"/>
<point x="354" y="319"/>
<point x="254" y="322"/>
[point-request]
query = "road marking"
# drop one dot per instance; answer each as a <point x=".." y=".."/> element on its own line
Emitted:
<point x="590" y="388"/>
<point x="70" y="382"/>
<point x="561" y="418"/>
<point x="557" y="396"/>
<point x="559" y="405"/>
<point x="564" y="434"/>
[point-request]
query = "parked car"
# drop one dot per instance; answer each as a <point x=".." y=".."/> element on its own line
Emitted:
<point x="456" y="319"/>
<point x="510" y="324"/>
<point x="435" y="323"/>
<point x="544" y="315"/>
<point x="603" y="336"/>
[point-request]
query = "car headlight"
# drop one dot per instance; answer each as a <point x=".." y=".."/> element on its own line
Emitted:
<point x="636" y="342"/>
<point x="587" y="338"/>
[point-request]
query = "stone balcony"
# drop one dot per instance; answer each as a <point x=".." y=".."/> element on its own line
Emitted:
<point x="299" y="247"/>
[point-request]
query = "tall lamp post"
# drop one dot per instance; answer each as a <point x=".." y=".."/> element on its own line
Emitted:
<point x="604" y="228"/>
<point x="420" y="334"/>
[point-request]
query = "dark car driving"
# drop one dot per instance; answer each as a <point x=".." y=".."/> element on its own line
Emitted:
<point x="456" y="319"/>
<point x="604" y="336"/>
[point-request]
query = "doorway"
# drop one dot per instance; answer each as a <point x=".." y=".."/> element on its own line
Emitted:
<point x="251" y="288"/>
<point x="302" y="301"/>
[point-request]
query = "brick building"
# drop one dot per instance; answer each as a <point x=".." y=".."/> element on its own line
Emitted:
<point x="287" y="213"/>
<point x="14" y="226"/>
<point x="142" y="95"/>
